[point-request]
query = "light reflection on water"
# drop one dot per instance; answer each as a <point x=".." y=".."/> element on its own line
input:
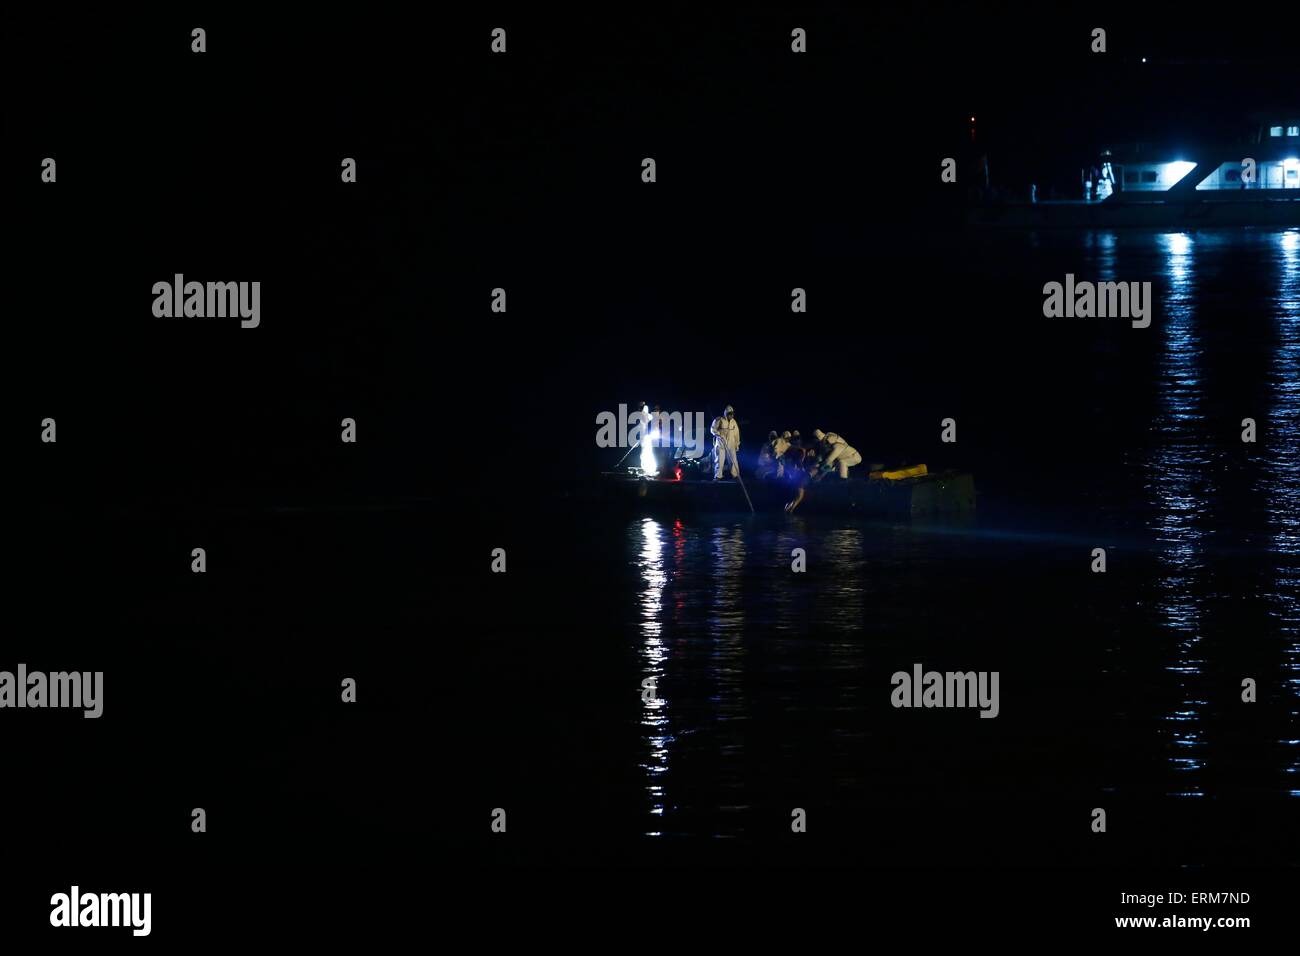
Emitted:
<point x="654" y="720"/>
<point x="843" y="546"/>
<point x="726" y="678"/>
<point x="786" y="611"/>
<point x="1281" y="470"/>
<point x="1181" y="480"/>
<point x="699" y="588"/>
<point x="1184" y="463"/>
<point x="1102" y="246"/>
<point x="723" y="623"/>
<point x="727" y="622"/>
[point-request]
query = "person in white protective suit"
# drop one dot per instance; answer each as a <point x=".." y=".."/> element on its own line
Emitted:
<point x="839" y="453"/>
<point x="726" y="442"/>
<point x="779" y="448"/>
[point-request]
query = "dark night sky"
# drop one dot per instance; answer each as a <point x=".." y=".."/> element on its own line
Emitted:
<point x="523" y="171"/>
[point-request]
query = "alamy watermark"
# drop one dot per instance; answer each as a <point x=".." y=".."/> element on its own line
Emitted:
<point x="624" y="429"/>
<point x="75" y="689"/>
<point x="946" y="689"/>
<point x="1098" y="300"/>
<point x="212" y="300"/>
<point x="102" y="909"/>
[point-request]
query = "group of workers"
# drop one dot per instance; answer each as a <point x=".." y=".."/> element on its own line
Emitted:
<point x="782" y="455"/>
<point x="827" y="452"/>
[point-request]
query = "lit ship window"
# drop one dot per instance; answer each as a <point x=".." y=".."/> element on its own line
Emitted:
<point x="1275" y="131"/>
<point x="1293" y="130"/>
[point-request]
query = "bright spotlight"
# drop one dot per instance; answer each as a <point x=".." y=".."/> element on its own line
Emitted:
<point x="648" y="465"/>
<point x="1175" y="171"/>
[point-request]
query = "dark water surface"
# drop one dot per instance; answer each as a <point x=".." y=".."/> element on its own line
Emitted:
<point x="522" y="691"/>
<point x="1119" y="690"/>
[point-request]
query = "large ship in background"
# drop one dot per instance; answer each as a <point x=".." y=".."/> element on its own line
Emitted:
<point x="1251" y="181"/>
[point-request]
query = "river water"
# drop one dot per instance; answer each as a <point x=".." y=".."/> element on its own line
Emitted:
<point x="1119" y="690"/>
<point x="523" y="691"/>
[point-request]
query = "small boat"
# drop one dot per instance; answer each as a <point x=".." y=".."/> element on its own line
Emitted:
<point x="905" y="493"/>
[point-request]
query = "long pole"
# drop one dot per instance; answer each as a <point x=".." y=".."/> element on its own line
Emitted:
<point x="628" y="452"/>
<point x="742" y="484"/>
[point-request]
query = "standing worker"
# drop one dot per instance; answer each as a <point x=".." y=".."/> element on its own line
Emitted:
<point x="726" y="442"/>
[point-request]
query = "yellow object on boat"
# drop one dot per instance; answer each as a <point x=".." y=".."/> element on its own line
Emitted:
<point x="914" y="471"/>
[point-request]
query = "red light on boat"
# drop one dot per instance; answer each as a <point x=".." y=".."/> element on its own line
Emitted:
<point x="677" y="473"/>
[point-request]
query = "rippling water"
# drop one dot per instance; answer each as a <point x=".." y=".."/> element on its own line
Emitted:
<point x="1121" y="690"/>
<point x="675" y="679"/>
<point x="1186" y="516"/>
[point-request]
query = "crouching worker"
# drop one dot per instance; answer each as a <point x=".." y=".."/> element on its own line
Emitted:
<point x="839" y="453"/>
